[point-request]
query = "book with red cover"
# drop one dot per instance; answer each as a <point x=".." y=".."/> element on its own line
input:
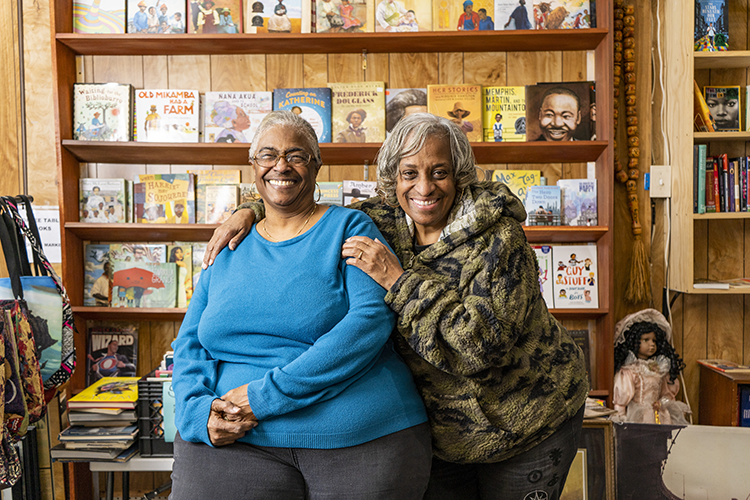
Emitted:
<point x="710" y="198"/>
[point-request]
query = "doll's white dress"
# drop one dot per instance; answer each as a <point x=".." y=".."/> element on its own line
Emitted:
<point x="639" y="384"/>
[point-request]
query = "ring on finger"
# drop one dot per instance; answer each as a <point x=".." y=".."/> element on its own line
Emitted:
<point x="361" y="252"/>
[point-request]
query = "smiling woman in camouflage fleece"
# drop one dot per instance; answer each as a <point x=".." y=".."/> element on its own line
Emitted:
<point x="503" y="382"/>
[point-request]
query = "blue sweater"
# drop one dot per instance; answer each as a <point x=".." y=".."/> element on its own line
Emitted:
<point x="306" y="331"/>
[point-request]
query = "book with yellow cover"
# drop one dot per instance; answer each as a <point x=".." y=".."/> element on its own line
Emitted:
<point x="164" y="198"/>
<point x="518" y="181"/>
<point x="358" y="111"/>
<point x="504" y="114"/>
<point x="702" y="119"/>
<point x="108" y="392"/>
<point x="453" y="15"/>
<point x="460" y="103"/>
<point x="205" y="178"/>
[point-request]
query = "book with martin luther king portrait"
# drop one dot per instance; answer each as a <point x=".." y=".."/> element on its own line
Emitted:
<point x="558" y="111"/>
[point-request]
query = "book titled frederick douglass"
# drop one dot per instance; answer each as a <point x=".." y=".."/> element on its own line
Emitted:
<point x="112" y="350"/>
<point x="99" y="16"/>
<point x="204" y="178"/>
<point x="456" y="15"/>
<point x="313" y="104"/>
<point x="160" y="17"/>
<point x="561" y="14"/>
<point x="101" y="200"/>
<point x="102" y="111"/>
<point x="579" y="205"/>
<point x="504" y="114"/>
<point x="518" y="181"/>
<point x="576" y="279"/>
<point x="559" y="112"/>
<point x="272" y="16"/>
<point x="234" y="116"/>
<point x="108" y="392"/>
<point x="166" y="115"/>
<point x="461" y="104"/>
<point x="358" y="111"/>
<point x="164" y="198"/>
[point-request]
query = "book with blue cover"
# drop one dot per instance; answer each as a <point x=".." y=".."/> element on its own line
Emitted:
<point x="543" y="206"/>
<point x="313" y="104"/>
<point x="579" y="205"/>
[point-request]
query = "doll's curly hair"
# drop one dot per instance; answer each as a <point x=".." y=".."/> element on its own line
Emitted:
<point x="663" y="347"/>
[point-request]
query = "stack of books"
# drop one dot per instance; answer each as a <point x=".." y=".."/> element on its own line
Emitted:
<point x="102" y="423"/>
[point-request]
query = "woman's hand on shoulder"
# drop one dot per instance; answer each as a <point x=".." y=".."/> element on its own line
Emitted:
<point x="374" y="258"/>
<point x="232" y="232"/>
<point x="229" y="422"/>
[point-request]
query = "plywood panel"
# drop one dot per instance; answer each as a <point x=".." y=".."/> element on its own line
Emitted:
<point x="285" y="71"/>
<point x="485" y="68"/>
<point x="413" y="70"/>
<point x="529" y="68"/>
<point x="451" y="68"/>
<point x="118" y="69"/>
<point x="344" y="68"/>
<point x="189" y="72"/>
<point x="725" y="248"/>
<point x="238" y="73"/>
<point x="155" y="72"/>
<point x="11" y="182"/>
<point x="574" y="66"/>
<point x="315" y="70"/>
<point x="695" y="326"/>
<point x="377" y="68"/>
<point x="726" y="320"/>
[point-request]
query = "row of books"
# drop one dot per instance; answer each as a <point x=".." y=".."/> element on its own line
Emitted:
<point x="568" y="276"/>
<point x="325" y="16"/>
<point x="718" y="109"/>
<point x="572" y="202"/>
<point x="720" y="183"/>
<point x="148" y="275"/>
<point x="341" y="112"/>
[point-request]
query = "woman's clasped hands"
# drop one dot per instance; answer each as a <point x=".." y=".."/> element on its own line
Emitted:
<point x="231" y="417"/>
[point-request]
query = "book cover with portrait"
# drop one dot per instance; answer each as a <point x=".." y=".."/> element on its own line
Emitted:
<point x="559" y="111"/>
<point x="561" y="14"/>
<point x="724" y="106"/>
<point x="101" y="200"/>
<point x="313" y="104"/>
<point x="344" y="16"/>
<point x="576" y="278"/>
<point x="403" y="102"/>
<point x="220" y="202"/>
<point x="504" y="114"/>
<point x="400" y="16"/>
<point x="463" y="15"/>
<point x="102" y="111"/>
<point x="166" y="115"/>
<point x="461" y="104"/>
<point x="278" y="16"/>
<point x="358" y="111"/>
<point x="156" y="17"/>
<point x="181" y="254"/>
<point x="234" y="116"/>
<point x="164" y="198"/>
<point x="211" y="17"/>
<point x="99" y="16"/>
<point x="112" y="350"/>
<point x="97" y="275"/>
<point x="711" y="25"/>
<point x="204" y="178"/>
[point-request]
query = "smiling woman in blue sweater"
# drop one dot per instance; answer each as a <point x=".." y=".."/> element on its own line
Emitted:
<point x="286" y="383"/>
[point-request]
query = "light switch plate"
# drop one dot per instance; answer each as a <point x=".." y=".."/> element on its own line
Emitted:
<point x="661" y="181"/>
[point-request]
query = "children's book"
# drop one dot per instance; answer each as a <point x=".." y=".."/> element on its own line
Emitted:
<point x="312" y="104"/>
<point x="101" y="200"/>
<point x="724" y="106"/>
<point x="166" y="115"/>
<point x="559" y="111"/>
<point x="199" y="250"/>
<point x="358" y="190"/>
<point x="112" y="350"/>
<point x="544" y="257"/>
<point x="543" y="206"/>
<point x="463" y="16"/>
<point x="512" y="15"/>
<point x="102" y="111"/>
<point x="402" y="102"/>
<point x="702" y="119"/>
<point x="358" y="111"/>
<point x="579" y="205"/>
<point x="576" y="279"/>
<point x="215" y="17"/>
<point x="560" y="14"/>
<point x="205" y="178"/>
<point x="711" y="25"/>
<point x="137" y="252"/>
<point x="343" y="16"/>
<point x="518" y="181"/>
<point x="99" y="16"/>
<point x="399" y="16"/>
<point x="81" y="433"/>
<point x="129" y="212"/>
<point x="248" y="192"/>
<point x="724" y="366"/>
<point x="220" y="203"/>
<point x="331" y="193"/>
<point x="504" y="114"/>
<point x="108" y="392"/>
<point x="181" y="253"/>
<point x="272" y="16"/>
<point x="164" y="198"/>
<point x="144" y="284"/>
<point x="234" y="116"/>
<point x="97" y="275"/>
<point x="461" y="104"/>
<point x="156" y="17"/>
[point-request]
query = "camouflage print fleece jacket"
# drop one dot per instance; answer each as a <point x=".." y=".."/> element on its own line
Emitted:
<point x="497" y="373"/>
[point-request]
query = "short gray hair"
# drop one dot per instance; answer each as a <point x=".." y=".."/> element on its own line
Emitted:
<point x="287" y="119"/>
<point x="408" y="138"/>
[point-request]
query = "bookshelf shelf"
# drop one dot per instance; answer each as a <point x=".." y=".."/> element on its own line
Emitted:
<point x="728" y="59"/>
<point x="333" y="43"/>
<point x="703" y="137"/>
<point x="333" y="154"/>
<point x="564" y="234"/>
<point x="722" y="215"/>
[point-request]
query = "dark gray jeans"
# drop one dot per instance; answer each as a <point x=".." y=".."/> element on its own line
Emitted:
<point x="394" y="467"/>
<point x="537" y="474"/>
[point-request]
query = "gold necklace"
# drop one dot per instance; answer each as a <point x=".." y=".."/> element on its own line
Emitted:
<point x="315" y="206"/>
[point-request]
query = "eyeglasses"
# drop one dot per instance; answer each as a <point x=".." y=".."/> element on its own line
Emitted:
<point x="269" y="159"/>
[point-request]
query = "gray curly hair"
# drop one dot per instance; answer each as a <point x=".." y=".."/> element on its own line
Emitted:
<point x="408" y="138"/>
<point x="289" y="120"/>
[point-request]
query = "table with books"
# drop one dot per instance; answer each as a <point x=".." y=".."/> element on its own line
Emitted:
<point x="135" y="464"/>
